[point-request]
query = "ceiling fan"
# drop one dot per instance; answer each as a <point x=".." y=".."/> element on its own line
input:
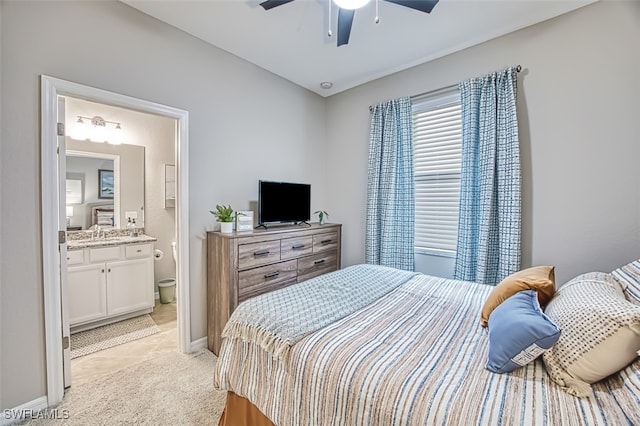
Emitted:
<point x="347" y="9"/>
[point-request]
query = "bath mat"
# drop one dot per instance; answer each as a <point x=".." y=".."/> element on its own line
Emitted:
<point x="108" y="336"/>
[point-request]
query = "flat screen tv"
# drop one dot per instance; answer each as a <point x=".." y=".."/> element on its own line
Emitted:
<point x="283" y="202"/>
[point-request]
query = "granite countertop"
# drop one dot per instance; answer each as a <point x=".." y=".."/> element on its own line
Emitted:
<point x="76" y="244"/>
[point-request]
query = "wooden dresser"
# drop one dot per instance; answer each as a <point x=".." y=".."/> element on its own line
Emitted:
<point x="241" y="265"/>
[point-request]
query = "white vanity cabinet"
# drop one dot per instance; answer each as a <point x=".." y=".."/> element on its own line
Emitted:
<point x="87" y="287"/>
<point x="107" y="283"/>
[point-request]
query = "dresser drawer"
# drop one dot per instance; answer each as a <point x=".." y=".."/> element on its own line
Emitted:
<point x="75" y="257"/>
<point x="318" y="264"/>
<point x="266" y="278"/>
<point x="256" y="254"/>
<point x="291" y="248"/>
<point x="325" y="242"/>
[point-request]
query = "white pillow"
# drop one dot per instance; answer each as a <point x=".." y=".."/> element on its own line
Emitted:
<point x="600" y="332"/>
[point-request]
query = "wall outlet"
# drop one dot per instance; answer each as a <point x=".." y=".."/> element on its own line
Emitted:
<point x="130" y="215"/>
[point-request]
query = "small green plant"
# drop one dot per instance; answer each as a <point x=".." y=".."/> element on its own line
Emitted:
<point x="223" y="213"/>
<point x="321" y="216"/>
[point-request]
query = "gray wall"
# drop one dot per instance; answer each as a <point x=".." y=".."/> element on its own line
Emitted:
<point x="244" y="124"/>
<point x="579" y="131"/>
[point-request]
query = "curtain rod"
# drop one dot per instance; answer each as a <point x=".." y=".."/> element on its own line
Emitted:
<point x="442" y="89"/>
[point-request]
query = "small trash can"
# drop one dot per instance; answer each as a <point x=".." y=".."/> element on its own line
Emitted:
<point x="167" y="289"/>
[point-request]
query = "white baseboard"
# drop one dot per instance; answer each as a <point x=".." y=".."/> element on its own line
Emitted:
<point x="196" y="345"/>
<point x="36" y="409"/>
<point x="157" y="295"/>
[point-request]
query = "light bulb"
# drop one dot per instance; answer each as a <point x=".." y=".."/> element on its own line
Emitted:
<point x="98" y="134"/>
<point x="116" y="135"/>
<point x="79" y="130"/>
<point x="350" y="4"/>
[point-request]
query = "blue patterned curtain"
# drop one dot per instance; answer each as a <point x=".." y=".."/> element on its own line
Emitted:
<point x="390" y="189"/>
<point x="490" y="208"/>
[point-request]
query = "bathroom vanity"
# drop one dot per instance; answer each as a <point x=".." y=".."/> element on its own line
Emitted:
<point x="109" y="279"/>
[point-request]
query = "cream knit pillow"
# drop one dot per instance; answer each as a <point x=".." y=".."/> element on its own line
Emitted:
<point x="600" y="332"/>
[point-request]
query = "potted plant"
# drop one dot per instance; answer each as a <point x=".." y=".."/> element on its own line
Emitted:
<point x="321" y="216"/>
<point x="225" y="215"/>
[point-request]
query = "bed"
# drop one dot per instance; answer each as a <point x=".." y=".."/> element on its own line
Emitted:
<point x="408" y="350"/>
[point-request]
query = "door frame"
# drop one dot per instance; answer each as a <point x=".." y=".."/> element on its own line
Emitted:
<point x="51" y="88"/>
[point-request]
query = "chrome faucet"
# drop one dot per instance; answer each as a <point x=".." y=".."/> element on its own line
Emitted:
<point x="96" y="233"/>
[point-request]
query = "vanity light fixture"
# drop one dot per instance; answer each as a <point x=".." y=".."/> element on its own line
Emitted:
<point x="98" y="131"/>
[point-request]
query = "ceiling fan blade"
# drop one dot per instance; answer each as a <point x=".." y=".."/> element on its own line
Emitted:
<point x="345" y="20"/>
<point x="421" y="5"/>
<point x="270" y="4"/>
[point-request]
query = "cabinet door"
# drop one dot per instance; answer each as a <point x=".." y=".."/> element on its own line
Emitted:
<point x="87" y="295"/>
<point x="129" y="286"/>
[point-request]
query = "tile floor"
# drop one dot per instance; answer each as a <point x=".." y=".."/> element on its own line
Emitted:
<point x="93" y="366"/>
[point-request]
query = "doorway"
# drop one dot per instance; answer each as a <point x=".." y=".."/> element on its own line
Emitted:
<point x="110" y="326"/>
<point x="53" y="236"/>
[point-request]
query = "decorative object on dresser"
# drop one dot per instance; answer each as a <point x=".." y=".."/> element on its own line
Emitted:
<point x="244" y="265"/>
<point x="321" y="216"/>
<point x="244" y="220"/>
<point x="224" y="215"/>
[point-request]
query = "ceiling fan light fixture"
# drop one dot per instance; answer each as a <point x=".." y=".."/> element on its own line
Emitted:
<point x="350" y="4"/>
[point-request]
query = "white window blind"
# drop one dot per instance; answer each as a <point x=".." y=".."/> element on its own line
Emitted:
<point x="437" y="130"/>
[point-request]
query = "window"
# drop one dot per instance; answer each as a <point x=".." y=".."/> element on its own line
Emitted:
<point x="437" y="132"/>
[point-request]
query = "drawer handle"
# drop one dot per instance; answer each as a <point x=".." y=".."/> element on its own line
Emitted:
<point x="297" y="247"/>
<point x="102" y="271"/>
<point x="326" y="241"/>
<point x="139" y="251"/>
<point x="273" y="274"/>
<point x="261" y="253"/>
<point x="319" y="262"/>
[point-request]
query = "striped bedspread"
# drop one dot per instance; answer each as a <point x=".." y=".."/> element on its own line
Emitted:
<point x="309" y="306"/>
<point x="415" y="356"/>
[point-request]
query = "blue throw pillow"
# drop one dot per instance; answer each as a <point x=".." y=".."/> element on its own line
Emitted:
<point x="519" y="332"/>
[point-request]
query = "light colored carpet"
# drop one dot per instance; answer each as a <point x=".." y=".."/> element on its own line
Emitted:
<point x="108" y="336"/>
<point x="173" y="389"/>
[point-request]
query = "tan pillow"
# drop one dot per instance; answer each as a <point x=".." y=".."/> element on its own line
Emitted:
<point x="539" y="278"/>
<point x="600" y="332"/>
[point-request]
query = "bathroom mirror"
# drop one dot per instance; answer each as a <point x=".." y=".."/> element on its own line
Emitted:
<point x="86" y="165"/>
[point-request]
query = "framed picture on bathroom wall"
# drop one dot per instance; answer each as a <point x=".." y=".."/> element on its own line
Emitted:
<point x="105" y="183"/>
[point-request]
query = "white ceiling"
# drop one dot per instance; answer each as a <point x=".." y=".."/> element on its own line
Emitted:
<point x="291" y="40"/>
